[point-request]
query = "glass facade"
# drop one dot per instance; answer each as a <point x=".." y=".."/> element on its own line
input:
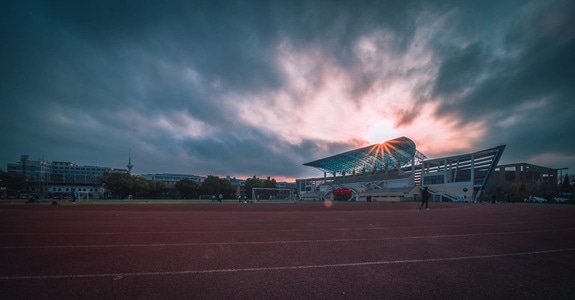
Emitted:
<point x="390" y="155"/>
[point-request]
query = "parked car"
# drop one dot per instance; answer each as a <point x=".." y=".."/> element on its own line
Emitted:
<point x="560" y="200"/>
<point x="537" y="199"/>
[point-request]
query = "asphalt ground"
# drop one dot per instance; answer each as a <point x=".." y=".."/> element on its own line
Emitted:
<point x="287" y="251"/>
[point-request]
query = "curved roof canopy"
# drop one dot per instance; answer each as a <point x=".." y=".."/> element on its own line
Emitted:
<point x="390" y="155"/>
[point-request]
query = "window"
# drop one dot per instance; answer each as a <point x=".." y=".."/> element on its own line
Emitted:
<point x="433" y="179"/>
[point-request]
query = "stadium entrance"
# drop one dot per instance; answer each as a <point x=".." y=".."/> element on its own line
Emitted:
<point x="342" y="194"/>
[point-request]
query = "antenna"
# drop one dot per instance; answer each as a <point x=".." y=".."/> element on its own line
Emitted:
<point x="129" y="165"/>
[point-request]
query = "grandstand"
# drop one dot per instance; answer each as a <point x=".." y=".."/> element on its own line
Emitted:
<point x="395" y="171"/>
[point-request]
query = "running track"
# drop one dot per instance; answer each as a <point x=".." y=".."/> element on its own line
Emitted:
<point x="287" y="251"/>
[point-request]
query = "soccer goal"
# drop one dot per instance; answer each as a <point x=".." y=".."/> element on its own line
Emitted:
<point x="83" y="196"/>
<point x="272" y="195"/>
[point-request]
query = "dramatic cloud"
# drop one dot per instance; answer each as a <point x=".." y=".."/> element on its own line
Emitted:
<point x="241" y="88"/>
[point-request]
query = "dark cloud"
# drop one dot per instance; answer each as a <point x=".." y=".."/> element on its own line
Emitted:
<point x="87" y="81"/>
<point x="525" y="74"/>
<point x="460" y="70"/>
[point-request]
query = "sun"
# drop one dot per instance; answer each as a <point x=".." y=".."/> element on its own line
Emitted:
<point x="381" y="131"/>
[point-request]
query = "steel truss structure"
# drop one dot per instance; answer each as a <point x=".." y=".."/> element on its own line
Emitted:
<point x="390" y="155"/>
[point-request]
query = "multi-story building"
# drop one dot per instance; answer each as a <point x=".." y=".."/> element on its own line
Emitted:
<point x="515" y="182"/>
<point x="49" y="178"/>
<point x="171" y="179"/>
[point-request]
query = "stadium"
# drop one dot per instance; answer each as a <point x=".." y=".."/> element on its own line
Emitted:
<point x="395" y="171"/>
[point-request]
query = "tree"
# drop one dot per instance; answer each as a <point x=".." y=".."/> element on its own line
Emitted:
<point x="251" y="183"/>
<point x="213" y="185"/>
<point x="187" y="188"/>
<point x="270" y="183"/>
<point x="12" y="182"/>
<point x="119" y="184"/>
<point x="139" y="187"/>
<point x="566" y="185"/>
<point x="227" y="189"/>
<point x="519" y="191"/>
<point x="255" y="182"/>
<point x="156" y="188"/>
<point x="210" y="186"/>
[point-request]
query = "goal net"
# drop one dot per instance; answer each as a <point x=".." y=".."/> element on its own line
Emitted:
<point x="272" y="195"/>
<point x="83" y="196"/>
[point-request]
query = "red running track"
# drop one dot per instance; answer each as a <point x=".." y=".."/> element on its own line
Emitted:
<point x="287" y="251"/>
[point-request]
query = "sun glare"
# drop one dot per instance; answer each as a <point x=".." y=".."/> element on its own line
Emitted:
<point x="380" y="132"/>
<point x="380" y="150"/>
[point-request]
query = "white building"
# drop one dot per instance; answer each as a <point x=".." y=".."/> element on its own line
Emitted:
<point x="49" y="178"/>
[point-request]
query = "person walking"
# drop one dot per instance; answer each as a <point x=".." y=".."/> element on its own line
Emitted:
<point x="425" y="199"/>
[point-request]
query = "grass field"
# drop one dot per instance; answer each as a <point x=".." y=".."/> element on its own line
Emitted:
<point x="121" y="201"/>
<point x="132" y="201"/>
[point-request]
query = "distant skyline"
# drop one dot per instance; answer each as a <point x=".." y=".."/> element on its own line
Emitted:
<point x="244" y="88"/>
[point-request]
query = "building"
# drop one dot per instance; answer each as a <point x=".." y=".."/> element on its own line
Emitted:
<point x="172" y="179"/>
<point x="54" y="178"/>
<point x="395" y="171"/>
<point x="47" y="179"/>
<point x="515" y="182"/>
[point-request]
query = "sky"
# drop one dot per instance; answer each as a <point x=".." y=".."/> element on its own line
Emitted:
<point x="258" y="88"/>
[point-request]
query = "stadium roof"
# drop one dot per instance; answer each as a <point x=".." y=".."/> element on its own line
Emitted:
<point x="390" y="155"/>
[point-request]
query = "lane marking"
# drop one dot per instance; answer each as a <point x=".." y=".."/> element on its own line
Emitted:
<point x="263" y="230"/>
<point x="267" y="269"/>
<point x="285" y="242"/>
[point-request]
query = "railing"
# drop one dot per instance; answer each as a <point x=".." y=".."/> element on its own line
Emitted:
<point x="442" y="195"/>
<point x="370" y="177"/>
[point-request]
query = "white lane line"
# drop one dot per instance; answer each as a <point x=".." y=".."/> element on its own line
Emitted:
<point x="261" y="230"/>
<point x="286" y="242"/>
<point x="116" y="276"/>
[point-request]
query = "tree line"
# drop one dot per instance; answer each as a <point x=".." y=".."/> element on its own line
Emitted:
<point x="122" y="185"/>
